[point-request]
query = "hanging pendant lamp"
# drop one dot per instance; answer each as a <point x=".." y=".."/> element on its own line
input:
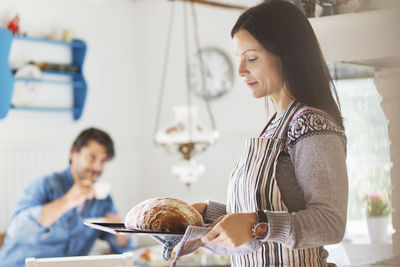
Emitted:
<point x="185" y="133"/>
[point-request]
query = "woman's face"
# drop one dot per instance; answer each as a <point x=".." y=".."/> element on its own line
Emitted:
<point x="260" y="69"/>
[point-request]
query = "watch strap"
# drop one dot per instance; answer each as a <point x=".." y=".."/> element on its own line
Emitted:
<point x="262" y="217"/>
<point x="260" y="228"/>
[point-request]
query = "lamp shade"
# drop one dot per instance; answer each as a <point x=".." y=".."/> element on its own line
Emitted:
<point x="186" y="128"/>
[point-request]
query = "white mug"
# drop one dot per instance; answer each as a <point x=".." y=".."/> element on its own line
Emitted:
<point x="101" y="190"/>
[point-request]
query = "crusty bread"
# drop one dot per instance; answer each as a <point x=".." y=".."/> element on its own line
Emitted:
<point x="163" y="214"/>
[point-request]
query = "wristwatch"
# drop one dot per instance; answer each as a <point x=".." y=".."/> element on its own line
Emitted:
<point x="260" y="228"/>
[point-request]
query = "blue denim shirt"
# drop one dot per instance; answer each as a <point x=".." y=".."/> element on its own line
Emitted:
<point x="68" y="236"/>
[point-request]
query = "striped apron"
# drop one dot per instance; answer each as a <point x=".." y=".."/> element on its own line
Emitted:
<point x="253" y="186"/>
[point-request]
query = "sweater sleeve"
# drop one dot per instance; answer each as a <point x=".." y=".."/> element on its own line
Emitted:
<point x="319" y="159"/>
<point x="214" y="211"/>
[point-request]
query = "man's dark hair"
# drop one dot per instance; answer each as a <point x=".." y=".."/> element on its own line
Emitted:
<point x="93" y="134"/>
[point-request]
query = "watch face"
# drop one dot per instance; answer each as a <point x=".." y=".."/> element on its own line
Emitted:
<point x="217" y="73"/>
<point x="260" y="230"/>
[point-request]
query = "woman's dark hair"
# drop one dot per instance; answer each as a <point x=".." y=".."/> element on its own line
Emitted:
<point x="283" y="29"/>
<point x="93" y="134"/>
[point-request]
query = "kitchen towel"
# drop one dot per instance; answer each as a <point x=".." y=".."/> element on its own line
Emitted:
<point x="191" y="241"/>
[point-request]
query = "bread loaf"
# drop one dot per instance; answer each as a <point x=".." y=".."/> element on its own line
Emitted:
<point x="163" y="214"/>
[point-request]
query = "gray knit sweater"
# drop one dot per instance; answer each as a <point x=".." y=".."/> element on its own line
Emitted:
<point x="312" y="178"/>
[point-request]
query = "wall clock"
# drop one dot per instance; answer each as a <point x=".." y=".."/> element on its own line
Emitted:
<point x="218" y="73"/>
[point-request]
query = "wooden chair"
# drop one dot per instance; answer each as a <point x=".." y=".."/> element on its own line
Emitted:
<point x="115" y="260"/>
<point x="2" y="236"/>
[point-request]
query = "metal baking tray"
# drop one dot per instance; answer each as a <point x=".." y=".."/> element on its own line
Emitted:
<point x="119" y="228"/>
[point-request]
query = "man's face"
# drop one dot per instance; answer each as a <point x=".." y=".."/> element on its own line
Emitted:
<point x="89" y="162"/>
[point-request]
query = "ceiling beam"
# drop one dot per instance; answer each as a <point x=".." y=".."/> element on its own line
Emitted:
<point x="214" y="4"/>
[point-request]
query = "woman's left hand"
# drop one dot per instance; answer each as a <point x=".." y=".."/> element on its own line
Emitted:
<point x="232" y="231"/>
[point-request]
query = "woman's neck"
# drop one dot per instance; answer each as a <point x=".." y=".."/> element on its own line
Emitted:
<point x="282" y="102"/>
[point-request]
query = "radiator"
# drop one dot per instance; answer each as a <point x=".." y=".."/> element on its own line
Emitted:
<point x="20" y="165"/>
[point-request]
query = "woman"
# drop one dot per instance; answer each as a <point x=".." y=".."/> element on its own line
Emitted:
<point x="289" y="190"/>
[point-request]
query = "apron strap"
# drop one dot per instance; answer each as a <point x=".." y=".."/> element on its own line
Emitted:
<point x="283" y="125"/>
<point x="266" y="126"/>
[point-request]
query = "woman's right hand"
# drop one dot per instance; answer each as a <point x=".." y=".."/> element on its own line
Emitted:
<point x="201" y="207"/>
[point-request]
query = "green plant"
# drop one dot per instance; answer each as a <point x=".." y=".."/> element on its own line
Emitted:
<point x="377" y="205"/>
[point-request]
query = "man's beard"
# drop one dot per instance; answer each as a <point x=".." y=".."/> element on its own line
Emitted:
<point x="82" y="174"/>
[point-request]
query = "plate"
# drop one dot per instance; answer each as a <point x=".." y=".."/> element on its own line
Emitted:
<point x="152" y="256"/>
<point x="119" y="228"/>
<point x="26" y="91"/>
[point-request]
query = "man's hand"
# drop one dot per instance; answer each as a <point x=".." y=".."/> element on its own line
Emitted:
<point x="78" y="193"/>
<point x="231" y="230"/>
<point x="122" y="240"/>
<point x="113" y="218"/>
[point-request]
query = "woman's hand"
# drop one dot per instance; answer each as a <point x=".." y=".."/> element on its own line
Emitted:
<point x="232" y="230"/>
<point x="201" y="207"/>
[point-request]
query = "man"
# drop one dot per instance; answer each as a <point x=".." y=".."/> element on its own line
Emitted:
<point x="48" y="220"/>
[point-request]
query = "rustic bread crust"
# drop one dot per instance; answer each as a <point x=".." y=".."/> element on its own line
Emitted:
<point x="163" y="214"/>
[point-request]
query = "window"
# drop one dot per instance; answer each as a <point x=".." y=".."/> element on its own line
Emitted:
<point x="368" y="155"/>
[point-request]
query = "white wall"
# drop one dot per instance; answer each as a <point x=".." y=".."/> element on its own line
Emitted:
<point x="387" y="82"/>
<point x="237" y="114"/>
<point x="110" y="68"/>
<point x="126" y="43"/>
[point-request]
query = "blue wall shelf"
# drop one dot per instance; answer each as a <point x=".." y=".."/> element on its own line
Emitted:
<point x="7" y="79"/>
